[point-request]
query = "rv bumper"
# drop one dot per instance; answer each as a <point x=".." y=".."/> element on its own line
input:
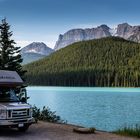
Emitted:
<point x="17" y="122"/>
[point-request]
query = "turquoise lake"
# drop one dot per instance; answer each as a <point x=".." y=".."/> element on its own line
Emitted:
<point x="103" y="108"/>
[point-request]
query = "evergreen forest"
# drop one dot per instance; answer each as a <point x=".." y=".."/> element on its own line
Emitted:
<point x="106" y="62"/>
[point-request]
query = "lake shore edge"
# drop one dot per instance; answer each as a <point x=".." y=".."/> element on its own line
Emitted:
<point x="58" y="131"/>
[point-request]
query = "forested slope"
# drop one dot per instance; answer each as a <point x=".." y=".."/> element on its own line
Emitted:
<point x="102" y="62"/>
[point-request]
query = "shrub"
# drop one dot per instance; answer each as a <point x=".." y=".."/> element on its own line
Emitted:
<point x="46" y="115"/>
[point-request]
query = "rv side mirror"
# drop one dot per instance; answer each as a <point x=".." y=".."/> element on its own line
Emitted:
<point x="23" y="95"/>
<point x="23" y="100"/>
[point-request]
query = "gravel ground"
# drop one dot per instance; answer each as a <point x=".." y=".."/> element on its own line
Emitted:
<point x="51" y="131"/>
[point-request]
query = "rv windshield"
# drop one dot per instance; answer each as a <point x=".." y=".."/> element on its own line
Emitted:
<point x="8" y="95"/>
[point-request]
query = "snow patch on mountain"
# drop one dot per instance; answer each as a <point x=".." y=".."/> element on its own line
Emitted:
<point x="113" y="31"/>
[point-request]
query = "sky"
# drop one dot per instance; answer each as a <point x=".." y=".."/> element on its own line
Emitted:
<point x="43" y="20"/>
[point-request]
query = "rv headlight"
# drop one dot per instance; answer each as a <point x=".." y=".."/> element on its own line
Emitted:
<point x="2" y="114"/>
<point x="31" y="112"/>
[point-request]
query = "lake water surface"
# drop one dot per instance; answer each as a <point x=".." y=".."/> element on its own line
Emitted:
<point x="103" y="108"/>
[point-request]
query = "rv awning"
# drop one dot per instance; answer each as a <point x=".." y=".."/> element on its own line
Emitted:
<point x="10" y="78"/>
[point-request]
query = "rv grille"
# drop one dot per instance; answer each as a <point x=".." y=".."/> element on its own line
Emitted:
<point x="20" y="113"/>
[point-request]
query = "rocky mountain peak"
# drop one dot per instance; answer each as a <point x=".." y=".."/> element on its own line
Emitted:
<point x="37" y="47"/>
<point x="124" y="24"/>
<point x="35" y="51"/>
<point x="124" y="30"/>
<point x="104" y="26"/>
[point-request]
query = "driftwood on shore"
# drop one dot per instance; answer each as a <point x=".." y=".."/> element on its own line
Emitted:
<point x="84" y="130"/>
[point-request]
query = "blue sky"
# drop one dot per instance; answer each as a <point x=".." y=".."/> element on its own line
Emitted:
<point x="44" y="20"/>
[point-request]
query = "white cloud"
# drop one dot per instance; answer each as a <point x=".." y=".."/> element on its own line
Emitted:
<point x="84" y="26"/>
<point x="22" y="43"/>
<point x="50" y="44"/>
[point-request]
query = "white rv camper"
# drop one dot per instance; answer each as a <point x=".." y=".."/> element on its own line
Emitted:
<point x="14" y="110"/>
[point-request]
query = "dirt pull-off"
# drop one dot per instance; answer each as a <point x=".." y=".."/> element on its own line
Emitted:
<point x="51" y="131"/>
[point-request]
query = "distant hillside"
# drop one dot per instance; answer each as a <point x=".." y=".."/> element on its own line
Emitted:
<point x="102" y="62"/>
<point x="123" y="30"/>
<point x="31" y="57"/>
<point x="35" y="51"/>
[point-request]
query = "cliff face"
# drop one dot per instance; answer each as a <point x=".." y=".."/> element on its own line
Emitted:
<point x="129" y="32"/>
<point x="124" y="30"/>
<point x="76" y="35"/>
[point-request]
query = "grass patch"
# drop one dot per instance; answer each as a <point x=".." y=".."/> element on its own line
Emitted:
<point x="133" y="131"/>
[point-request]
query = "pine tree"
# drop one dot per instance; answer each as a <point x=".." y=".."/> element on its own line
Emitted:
<point x="10" y="57"/>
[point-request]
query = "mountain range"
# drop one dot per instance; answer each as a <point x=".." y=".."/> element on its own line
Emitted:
<point x="38" y="50"/>
<point x="123" y="30"/>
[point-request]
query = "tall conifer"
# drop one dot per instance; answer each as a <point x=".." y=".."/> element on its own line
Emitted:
<point x="10" y="57"/>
